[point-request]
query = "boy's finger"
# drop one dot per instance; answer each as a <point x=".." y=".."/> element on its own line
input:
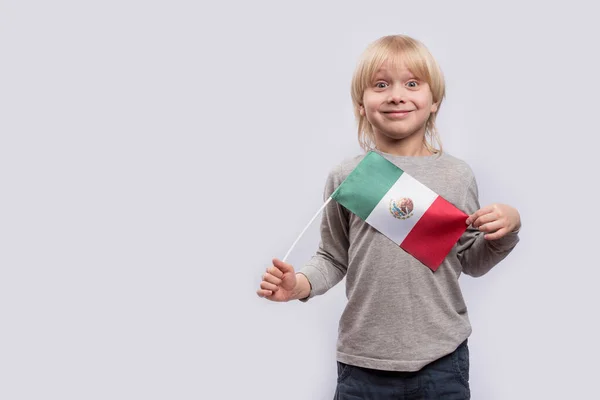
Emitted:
<point x="268" y="286"/>
<point x="275" y="272"/>
<point x="478" y="213"/>
<point x="484" y="219"/>
<point x="491" y="227"/>
<point x="496" y="235"/>
<point x="282" y="266"/>
<point x="271" y="279"/>
<point x="264" y="293"/>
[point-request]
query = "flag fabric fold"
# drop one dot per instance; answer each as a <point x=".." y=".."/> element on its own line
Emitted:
<point x="409" y="213"/>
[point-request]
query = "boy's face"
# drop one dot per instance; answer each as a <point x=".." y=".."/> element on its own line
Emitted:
<point x="397" y="104"/>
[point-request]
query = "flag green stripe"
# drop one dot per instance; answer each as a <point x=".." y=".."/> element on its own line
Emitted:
<point x="367" y="184"/>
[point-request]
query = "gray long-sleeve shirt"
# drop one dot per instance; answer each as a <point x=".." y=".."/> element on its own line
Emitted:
<point x="400" y="315"/>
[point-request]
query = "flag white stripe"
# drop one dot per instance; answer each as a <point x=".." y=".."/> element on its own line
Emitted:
<point x="384" y="221"/>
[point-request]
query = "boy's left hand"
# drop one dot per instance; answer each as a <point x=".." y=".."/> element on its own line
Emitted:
<point x="496" y="220"/>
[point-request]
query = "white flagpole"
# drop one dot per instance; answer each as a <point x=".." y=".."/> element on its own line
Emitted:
<point x="311" y="221"/>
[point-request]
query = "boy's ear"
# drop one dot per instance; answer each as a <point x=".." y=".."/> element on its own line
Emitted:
<point x="434" y="107"/>
<point x="362" y="110"/>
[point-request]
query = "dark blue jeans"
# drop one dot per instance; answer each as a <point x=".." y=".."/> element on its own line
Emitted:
<point x="443" y="379"/>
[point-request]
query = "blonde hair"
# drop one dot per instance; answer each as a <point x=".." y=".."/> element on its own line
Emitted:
<point x="397" y="49"/>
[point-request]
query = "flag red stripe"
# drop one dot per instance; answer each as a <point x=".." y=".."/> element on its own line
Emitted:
<point x="432" y="238"/>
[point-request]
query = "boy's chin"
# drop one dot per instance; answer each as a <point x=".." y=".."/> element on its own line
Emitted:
<point x="396" y="136"/>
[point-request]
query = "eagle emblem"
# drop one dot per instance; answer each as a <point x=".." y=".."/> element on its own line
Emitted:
<point x="401" y="208"/>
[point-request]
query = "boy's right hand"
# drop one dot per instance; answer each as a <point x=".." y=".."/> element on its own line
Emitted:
<point x="278" y="282"/>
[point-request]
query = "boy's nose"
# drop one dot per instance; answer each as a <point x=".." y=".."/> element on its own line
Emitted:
<point x="397" y="95"/>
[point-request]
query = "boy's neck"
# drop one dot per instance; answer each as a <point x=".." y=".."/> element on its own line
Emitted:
<point x="404" y="147"/>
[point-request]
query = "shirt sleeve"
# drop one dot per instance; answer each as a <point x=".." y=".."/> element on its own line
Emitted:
<point x="330" y="263"/>
<point x="476" y="254"/>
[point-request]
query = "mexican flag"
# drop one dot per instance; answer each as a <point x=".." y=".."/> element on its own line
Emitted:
<point x="403" y="209"/>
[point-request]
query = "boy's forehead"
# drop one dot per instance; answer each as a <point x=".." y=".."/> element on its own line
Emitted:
<point x="397" y="68"/>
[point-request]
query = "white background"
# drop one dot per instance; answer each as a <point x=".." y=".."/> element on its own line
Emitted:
<point x="155" y="155"/>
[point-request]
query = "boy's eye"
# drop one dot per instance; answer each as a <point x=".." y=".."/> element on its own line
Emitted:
<point x="381" y="85"/>
<point x="412" y="84"/>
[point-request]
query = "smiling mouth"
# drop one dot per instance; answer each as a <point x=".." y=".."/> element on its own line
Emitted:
<point x="396" y="114"/>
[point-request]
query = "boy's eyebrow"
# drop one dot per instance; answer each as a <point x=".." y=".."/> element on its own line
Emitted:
<point x="381" y="72"/>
